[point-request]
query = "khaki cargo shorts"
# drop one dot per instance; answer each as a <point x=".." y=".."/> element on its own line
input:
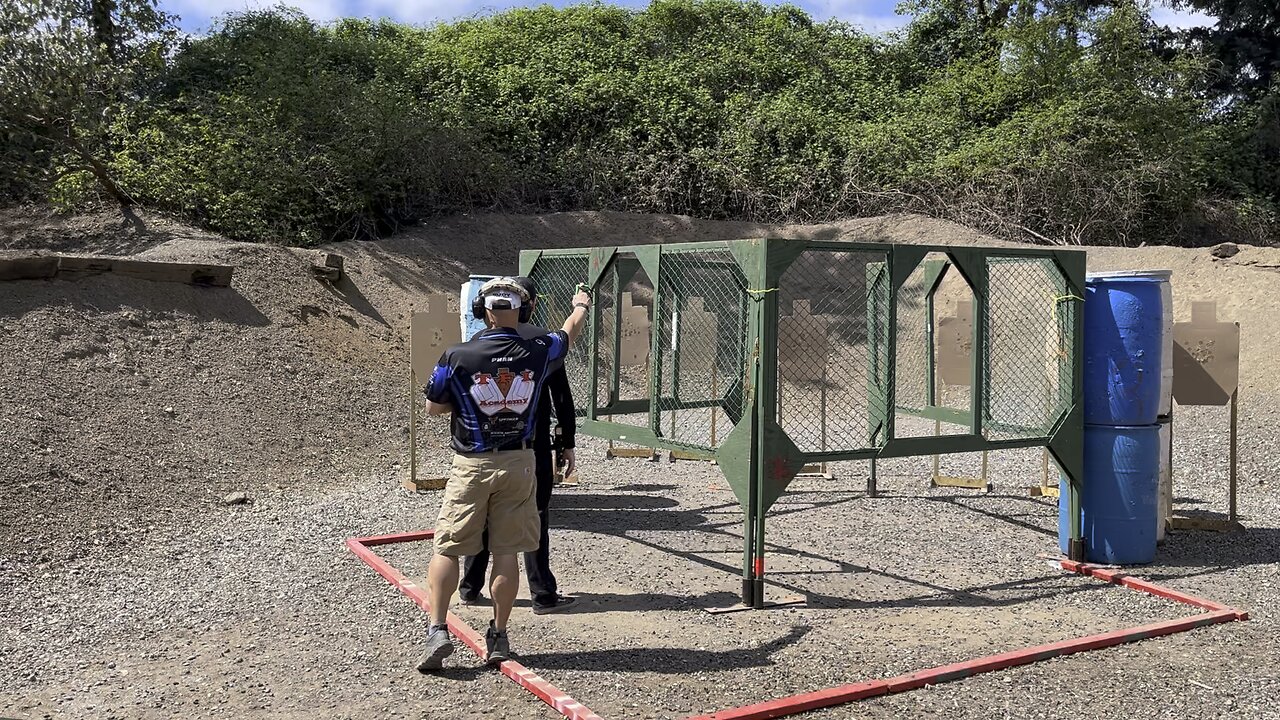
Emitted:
<point x="493" y="489"/>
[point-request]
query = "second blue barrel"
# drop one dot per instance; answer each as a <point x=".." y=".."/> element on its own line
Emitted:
<point x="1123" y="348"/>
<point x="1118" y="504"/>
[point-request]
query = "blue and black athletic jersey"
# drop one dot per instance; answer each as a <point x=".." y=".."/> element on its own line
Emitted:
<point x="493" y="382"/>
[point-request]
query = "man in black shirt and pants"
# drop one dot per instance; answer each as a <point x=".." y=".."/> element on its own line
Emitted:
<point x="537" y="564"/>
<point x="490" y="386"/>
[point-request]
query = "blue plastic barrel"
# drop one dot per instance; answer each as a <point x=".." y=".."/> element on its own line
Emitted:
<point x="1123" y="348"/>
<point x="1118" y="504"/>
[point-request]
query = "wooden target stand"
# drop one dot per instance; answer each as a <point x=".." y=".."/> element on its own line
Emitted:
<point x="693" y="321"/>
<point x="802" y="336"/>
<point x="954" y="368"/>
<point x="633" y="351"/>
<point x="431" y="332"/>
<point x="1206" y="372"/>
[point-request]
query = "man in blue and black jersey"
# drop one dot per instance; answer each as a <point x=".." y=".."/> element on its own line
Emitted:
<point x="557" y="396"/>
<point x="491" y="385"/>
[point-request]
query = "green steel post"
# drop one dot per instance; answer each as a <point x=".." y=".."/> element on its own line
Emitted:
<point x="930" y="387"/>
<point x="615" y="375"/>
<point x="766" y="399"/>
<point x="1076" y="549"/>
<point x="980" y="357"/>
<point x="655" y="349"/>
<point x="1067" y="443"/>
<point x="891" y="357"/>
<point x="593" y="355"/>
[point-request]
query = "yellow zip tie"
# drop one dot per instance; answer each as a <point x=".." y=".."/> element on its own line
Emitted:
<point x="761" y="292"/>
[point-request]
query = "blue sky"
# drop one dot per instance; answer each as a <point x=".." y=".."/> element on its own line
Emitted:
<point x="871" y="15"/>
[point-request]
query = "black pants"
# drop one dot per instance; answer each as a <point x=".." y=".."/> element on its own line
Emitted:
<point x="537" y="564"/>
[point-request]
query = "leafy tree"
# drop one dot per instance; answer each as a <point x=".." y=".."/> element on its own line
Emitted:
<point x="68" y="68"/>
<point x="1246" y="39"/>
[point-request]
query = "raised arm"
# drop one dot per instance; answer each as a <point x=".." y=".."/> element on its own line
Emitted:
<point x="578" y="318"/>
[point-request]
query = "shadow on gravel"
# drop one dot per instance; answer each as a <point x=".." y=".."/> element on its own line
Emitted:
<point x="589" y="602"/>
<point x="460" y="673"/>
<point x="650" y="487"/>
<point x="668" y="661"/>
<point x="106" y="293"/>
<point x="1010" y="518"/>
<point x="571" y="501"/>
<point x="1207" y="549"/>
<point x="347" y="291"/>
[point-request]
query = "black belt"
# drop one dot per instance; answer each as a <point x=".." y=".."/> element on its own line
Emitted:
<point x="522" y="445"/>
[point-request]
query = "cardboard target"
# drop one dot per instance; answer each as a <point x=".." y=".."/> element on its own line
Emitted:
<point x="431" y="332"/>
<point x="955" y="346"/>
<point x="1206" y="357"/>
<point x="694" y="334"/>
<point x="802" y="344"/>
<point x="635" y="333"/>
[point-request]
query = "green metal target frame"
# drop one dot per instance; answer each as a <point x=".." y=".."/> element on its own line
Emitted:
<point x="757" y="456"/>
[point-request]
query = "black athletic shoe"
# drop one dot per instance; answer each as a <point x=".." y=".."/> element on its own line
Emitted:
<point x="497" y="646"/>
<point x="439" y="647"/>
<point x="472" y="600"/>
<point x="561" y="604"/>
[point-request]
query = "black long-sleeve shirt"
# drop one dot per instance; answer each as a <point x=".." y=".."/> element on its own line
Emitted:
<point x="557" y="396"/>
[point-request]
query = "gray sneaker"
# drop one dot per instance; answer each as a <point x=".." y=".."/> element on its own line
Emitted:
<point x="439" y="647"/>
<point x="497" y="646"/>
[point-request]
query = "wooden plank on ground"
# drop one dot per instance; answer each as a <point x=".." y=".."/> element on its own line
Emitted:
<point x="189" y="273"/>
<point x="28" y="267"/>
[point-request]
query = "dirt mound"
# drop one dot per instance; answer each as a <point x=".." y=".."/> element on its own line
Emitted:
<point x="126" y="401"/>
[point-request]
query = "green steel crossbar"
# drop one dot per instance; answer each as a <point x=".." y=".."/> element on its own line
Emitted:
<point x="1020" y="296"/>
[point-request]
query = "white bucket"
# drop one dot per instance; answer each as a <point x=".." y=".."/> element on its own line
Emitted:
<point x="1166" y="341"/>
<point x="1164" y="506"/>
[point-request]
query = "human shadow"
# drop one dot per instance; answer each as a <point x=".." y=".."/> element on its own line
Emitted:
<point x="594" y="602"/>
<point x="617" y="514"/>
<point x="647" y="487"/>
<point x="666" y="661"/>
<point x="593" y="501"/>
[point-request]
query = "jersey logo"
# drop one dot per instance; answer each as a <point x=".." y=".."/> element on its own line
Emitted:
<point x="505" y="390"/>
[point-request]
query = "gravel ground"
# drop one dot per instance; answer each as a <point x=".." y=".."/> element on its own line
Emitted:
<point x="128" y="590"/>
<point x="259" y="610"/>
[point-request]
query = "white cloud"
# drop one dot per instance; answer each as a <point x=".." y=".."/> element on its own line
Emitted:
<point x="200" y="13"/>
<point x="1181" y="19"/>
<point x="870" y="15"/>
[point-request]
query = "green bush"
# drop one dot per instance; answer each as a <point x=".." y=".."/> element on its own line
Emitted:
<point x="1090" y="128"/>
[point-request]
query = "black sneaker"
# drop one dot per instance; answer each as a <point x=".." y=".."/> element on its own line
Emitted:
<point x="497" y="646"/>
<point x="439" y="647"/>
<point x="561" y="604"/>
<point x="471" y="600"/>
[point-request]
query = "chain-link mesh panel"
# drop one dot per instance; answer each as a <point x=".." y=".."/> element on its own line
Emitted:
<point x="911" y="347"/>
<point x="1028" y="347"/>
<point x="826" y="373"/>
<point x="624" y="338"/>
<point x="702" y="326"/>
<point x="557" y="277"/>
